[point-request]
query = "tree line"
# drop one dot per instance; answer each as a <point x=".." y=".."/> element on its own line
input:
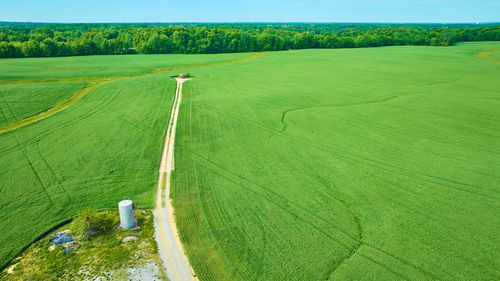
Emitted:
<point x="50" y="40"/>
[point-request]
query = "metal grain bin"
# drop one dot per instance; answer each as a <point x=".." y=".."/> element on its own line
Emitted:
<point x="126" y="208"/>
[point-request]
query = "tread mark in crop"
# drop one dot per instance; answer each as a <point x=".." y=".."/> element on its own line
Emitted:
<point x="67" y="123"/>
<point x="377" y="164"/>
<point x="352" y="250"/>
<point x="273" y="202"/>
<point x="30" y="163"/>
<point x="420" y="269"/>
<point x="283" y="115"/>
<point x="98" y="82"/>
<point x="61" y="185"/>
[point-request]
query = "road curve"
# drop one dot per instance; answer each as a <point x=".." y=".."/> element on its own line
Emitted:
<point x="167" y="237"/>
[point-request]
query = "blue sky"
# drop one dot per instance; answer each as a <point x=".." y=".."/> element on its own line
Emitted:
<point x="250" y="11"/>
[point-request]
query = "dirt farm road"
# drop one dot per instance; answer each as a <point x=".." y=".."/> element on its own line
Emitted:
<point x="167" y="236"/>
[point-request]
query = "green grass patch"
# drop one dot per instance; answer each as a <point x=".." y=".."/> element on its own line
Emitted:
<point x="104" y="254"/>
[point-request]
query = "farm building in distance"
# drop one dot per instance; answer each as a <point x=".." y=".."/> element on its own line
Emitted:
<point x="187" y="75"/>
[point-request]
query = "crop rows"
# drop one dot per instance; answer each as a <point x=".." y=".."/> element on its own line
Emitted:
<point x="373" y="164"/>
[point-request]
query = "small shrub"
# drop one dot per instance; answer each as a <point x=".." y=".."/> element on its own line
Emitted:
<point x="92" y="223"/>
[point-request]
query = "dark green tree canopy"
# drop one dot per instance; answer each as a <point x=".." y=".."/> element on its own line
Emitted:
<point x="48" y="40"/>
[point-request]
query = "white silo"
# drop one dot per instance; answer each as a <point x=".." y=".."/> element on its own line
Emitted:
<point x="126" y="209"/>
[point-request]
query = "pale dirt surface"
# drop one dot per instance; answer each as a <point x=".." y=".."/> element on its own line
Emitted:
<point x="149" y="271"/>
<point x="167" y="236"/>
<point x="487" y="55"/>
<point x="10" y="270"/>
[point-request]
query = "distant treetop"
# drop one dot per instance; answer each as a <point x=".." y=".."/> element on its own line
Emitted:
<point x="49" y="39"/>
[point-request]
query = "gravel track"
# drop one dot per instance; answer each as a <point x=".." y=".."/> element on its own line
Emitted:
<point x="167" y="236"/>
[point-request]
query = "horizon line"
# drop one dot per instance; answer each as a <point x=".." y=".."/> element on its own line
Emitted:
<point x="252" y="22"/>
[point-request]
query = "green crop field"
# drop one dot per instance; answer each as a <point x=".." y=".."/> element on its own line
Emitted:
<point x="365" y="164"/>
<point x="102" y="149"/>
<point x="99" y="66"/>
<point x="347" y="164"/>
<point x="496" y="55"/>
<point x="18" y="101"/>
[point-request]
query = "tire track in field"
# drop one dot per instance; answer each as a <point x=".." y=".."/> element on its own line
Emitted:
<point x="284" y="114"/>
<point x="37" y="176"/>
<point x="96" y="82"/>
<point x="102" y="104"/>
<point x="273" y="198"/>
<point x="227" y="174"/>
<point x="36" y="144"/>
<point x="66" y="123"/>
<point x="233" y="177"/>
<point x="119" y="116"/>
<point x="166" y="232"/>
<point x="73" y="100"/>
<point x="358" y="245"/>
<point x="53" y="110"/>
<point x="30" y="163"/>
<point x="404" y="172"/>
<point x="387" y="99"/>
<point x="374" y="163"/>
<point x="450" y="183"/>
<point x="54" y="174"/>
<point x="1" y="111"/>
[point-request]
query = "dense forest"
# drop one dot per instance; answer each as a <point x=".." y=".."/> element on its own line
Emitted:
<point x="47" y="40"/>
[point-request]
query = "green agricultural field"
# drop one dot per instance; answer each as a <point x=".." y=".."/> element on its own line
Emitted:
<point x="102" y="149"/>
<point x="18" y="101"/>
<point x="354" y="164"/>
<point x="348" y="164"/>
<point x="496" y="55"/>
<point x="99" y="66"/>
